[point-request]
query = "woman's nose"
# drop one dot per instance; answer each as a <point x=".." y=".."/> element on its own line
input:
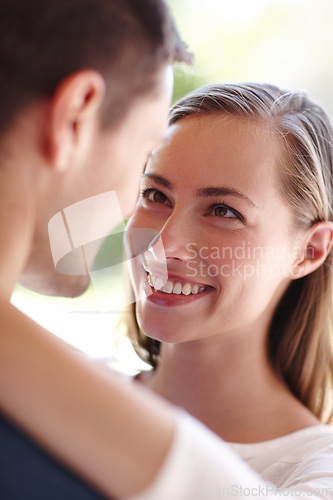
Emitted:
<point x="173" y="239"/>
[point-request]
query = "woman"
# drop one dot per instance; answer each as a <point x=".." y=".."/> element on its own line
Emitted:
<point x="218" y="194"/>
<point x="239" y="331"/>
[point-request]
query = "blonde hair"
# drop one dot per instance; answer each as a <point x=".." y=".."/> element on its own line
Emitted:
<point x="300" y="336"/>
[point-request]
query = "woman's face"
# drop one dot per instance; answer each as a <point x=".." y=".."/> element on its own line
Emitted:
<point x="212" y="192"/>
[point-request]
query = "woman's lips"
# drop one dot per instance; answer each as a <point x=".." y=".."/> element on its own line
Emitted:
<point x="175" y="291"/>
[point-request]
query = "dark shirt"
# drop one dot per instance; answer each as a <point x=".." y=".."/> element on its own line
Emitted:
<point x="27" y="472"/>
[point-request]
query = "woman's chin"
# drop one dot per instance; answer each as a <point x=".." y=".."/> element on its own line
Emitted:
<point x="161" y="331"/>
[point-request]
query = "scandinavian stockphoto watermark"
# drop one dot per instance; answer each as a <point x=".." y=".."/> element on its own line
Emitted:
<point x="268" y="490"/>
<point x="88" y="238"/>
<point x="245" y="261"/>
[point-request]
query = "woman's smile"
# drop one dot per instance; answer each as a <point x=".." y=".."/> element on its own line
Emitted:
<point x="175" y="291"/>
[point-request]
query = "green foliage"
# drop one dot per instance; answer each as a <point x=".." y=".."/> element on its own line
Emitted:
<point x="185" y="80"/>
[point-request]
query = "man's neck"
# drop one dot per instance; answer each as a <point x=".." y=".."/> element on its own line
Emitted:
<point x="18" y="204"/>
<point x="16" y="222"/>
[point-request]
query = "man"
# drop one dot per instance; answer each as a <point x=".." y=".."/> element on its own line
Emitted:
<point x="85" y="87"/>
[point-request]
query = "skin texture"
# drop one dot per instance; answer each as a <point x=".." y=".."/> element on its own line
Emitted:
<point x="213" y="356"/>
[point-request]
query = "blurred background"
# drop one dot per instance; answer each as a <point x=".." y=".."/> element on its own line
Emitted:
<point x="287" y="42"/>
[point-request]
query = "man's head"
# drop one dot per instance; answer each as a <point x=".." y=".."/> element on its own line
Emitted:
<point x="45" y="41"/>
<point x="85" y="86"/>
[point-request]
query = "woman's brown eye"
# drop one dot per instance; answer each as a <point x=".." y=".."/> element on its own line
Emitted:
<point x="220" y="211"/>
<point x="223" y="211"/>
<point x="157" y="197"/>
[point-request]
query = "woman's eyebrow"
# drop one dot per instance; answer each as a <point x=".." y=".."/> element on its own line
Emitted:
<point x="222" y="191"/>
<point x="203" y="192"/>
<point x="160" y="180"/>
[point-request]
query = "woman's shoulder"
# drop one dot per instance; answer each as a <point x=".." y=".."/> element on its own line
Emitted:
<point x="310" y="438"/>
<point x="296" y="445"/>
<point x="301" y="454"/>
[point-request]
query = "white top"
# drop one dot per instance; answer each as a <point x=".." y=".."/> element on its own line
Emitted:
<point x="200" y="465"/>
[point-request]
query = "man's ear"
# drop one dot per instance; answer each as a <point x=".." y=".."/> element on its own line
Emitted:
<point x="74" y="104"/>
<point x="317" y="246"/>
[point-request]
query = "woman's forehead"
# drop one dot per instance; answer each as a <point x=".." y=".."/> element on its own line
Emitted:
<point x="215" y="149"/>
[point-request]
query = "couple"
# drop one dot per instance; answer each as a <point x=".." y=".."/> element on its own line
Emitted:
<point x="250" y="358"/>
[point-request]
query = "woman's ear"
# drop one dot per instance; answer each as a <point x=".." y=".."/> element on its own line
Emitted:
<point x="73" y="107"/>
<point x="317" y="246"/>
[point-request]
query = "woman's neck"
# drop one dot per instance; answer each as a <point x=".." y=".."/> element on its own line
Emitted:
<point x="231" y="387"/>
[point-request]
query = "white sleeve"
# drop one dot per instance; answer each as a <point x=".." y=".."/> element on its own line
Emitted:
<point x="201" y="465"/>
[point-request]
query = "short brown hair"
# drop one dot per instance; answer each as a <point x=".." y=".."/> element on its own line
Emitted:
<point x="44" y="41"/>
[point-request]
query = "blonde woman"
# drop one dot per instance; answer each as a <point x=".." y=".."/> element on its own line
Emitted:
<point x="240" y="331"/>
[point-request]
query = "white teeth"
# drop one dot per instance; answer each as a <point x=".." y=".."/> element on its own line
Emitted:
<point x="176" y="288"/>
<point x="187" y="289"/>
<point x="168" y="287"/>
<point x="158" y="285"/>
<point x="156" y="282"/>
